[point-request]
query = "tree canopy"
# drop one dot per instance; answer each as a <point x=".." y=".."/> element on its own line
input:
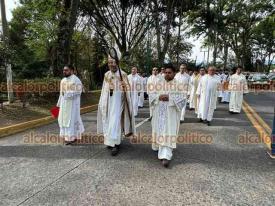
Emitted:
<point x="46" y="34"/>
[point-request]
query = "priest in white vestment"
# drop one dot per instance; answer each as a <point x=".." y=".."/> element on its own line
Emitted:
<point x="201" y="74"/>
<point x="115" y="109"/>
<point x="136" y="88"/>
<point x="194" y="82"/>
<point x="183" y="78"/>
<point x="166" y="104"/>
<point x="238" y="87"/>
<point x="69" y="119"/>
<point x="221" y="75"/>
<point x="152" y="83"/>
<point x="207" y="92"/>
<point x="226" y="92"/>
<point x="145" y="86"/>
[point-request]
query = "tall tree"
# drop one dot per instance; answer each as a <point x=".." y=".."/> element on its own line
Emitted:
<point x="121" y="23"/>
<point x="225" y="25"/>
<point x="179" y="51"/>
<point x="168" y="15"/>
<point x="208" y="21"/>
<point x="241" y="24"/>
<point x="6" y="41"/>
<point x="33" y="31"/>
<point x="264" y="42"/>
<point x="67" y="22"/>
<point x="4" y="22"/>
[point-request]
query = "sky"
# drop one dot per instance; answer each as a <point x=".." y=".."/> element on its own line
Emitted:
<point x="196" y="51"/>
<point x="10" y="5"/>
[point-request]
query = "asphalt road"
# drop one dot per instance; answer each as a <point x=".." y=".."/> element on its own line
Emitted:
<point x="226" y="171"/>
<point x="263" y="103"/>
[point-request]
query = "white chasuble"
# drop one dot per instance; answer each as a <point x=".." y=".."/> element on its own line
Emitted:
<point x="115" y="110"/>
<point x="194" y="82"/>
<point x="136" y="85"/>
<point x="183" y="79"/>
<point x="238" y="87"/>
<point x="152" y="85"/>
<point x="207" y="91"/>
<point x="166" y="114"/>
<point x="69" y="119"/>
<point x="226" y="92"/>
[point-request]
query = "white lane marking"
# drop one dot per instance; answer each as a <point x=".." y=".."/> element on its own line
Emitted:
<point x="141" y="123"/>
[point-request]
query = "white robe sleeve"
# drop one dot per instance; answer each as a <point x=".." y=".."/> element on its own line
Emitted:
<point x="153" y="94"/>
<point x="77" y="90"/>
<point x="219" y="87"/>
<point x="59" y="101"/>
<point x="177" y="100"/>
<point x="60" y="95"/>
<point x="230" y="84"/>
<point x="198" y="92"/>
<point x="154" y="98"/>
<point x="190" y="85"/>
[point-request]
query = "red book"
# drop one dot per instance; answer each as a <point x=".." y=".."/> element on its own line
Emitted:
<point x="55" y="112"/>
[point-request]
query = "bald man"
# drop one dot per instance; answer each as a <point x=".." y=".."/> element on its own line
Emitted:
<point x="207" y="92"/>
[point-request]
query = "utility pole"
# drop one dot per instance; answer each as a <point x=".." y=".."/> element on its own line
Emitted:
<point x="6" y="44"/>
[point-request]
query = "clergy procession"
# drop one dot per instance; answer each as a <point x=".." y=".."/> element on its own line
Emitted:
<point x="137" y="102"/>
<point x="170" y="93"/>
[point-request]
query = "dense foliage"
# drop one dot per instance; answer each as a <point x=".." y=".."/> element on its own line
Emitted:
<point x="46" y="34"/>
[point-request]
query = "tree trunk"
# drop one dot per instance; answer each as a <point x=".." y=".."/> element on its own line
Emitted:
<point x="246" y="60"/>
<point x="215" y="49"/>
<point x="179" y="38"/>
<point x="65" y="32"/>
<point x="270" y="61"/>
<point x="157" y="27"/>
<point x="6" y="44"/>
<point x="4" y="22"/>
<point x="162" y="50"/>
<point x="208" y="55"/>
<point x="225" y="56"/>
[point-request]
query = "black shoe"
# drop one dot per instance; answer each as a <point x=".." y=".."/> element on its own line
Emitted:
<point x="208" y="123"/>
<point x="165" y="163"/>
<point x="115" y="150"/>
<point x="109" y="147"/>
<point x="70" y="142"/>
<point x="181" y="121"/>
<point x="201" y="120"/>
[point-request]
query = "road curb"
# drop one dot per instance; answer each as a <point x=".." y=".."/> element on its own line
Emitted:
<point x="13" y="129"/>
